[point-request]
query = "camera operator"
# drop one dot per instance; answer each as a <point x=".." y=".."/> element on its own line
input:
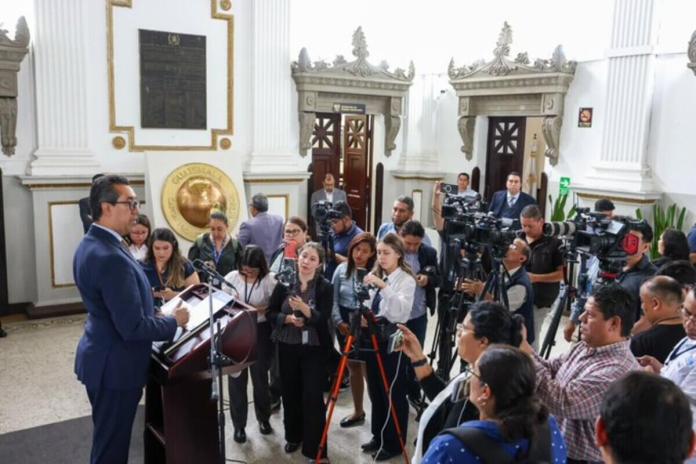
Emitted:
<point x="343" y="230"/>
<point x="638" y="269"/>
<point x="545" y="265"/>
<point x="518" y="287"/>
<point x="463" y="190"/>
<point x="605" y="207"/>
<point x="391" y="301"/>
<point x="510" y="202"/>
<point x="402" y="211"/>
<point x="572" y="385"/>
<point x="423" y="261"/>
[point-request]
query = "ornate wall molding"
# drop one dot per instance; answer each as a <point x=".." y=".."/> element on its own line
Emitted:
<point x="320" y="85"/>
<point x="692" y="53"/>
<point x="505" y="87"/>
<point x="12" y="53"/>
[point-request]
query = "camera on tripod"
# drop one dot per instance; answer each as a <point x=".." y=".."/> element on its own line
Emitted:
<point x="324" y="213"/>
<point x="595" y="234"/>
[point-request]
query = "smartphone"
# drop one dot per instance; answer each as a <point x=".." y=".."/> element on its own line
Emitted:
<point x="396" y="341"/>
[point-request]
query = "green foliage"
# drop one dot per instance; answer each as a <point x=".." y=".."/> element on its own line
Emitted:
<point x="558" y="213"/>
<point x="663" y="219"/>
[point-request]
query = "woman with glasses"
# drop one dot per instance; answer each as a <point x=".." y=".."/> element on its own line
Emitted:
<point x="167" y="270"/>
<point x="391" y="300"/>
<point x="513" y="424"/>
<point x="346" y="279"/>
<point x="300" y="316"/>
<point x="485" y="323"/>
<point x="295" y="229"/>
<point x="217" y="247"/>
<point x="138" y="237"/>
<point x="254" y="284"/>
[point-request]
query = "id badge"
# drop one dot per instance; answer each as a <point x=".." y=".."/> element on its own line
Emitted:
<point x="305" y="337"/>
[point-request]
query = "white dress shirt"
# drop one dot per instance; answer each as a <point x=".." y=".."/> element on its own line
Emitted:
<point x="256" y="294"/>
<point x="397" y="297"/>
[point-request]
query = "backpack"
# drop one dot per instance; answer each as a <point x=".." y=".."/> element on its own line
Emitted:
<point x="490" y="451"/>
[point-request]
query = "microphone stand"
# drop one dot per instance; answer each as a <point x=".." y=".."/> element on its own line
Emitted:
<point x="217" y="359"/>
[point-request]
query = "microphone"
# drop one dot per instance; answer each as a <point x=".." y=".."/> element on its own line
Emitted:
<point x="209" y="270"/>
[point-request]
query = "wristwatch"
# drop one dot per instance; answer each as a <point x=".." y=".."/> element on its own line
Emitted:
<point x="419" y="363"/>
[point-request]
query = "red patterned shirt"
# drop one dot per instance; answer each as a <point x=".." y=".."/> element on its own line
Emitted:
<point x="572" y="386"/>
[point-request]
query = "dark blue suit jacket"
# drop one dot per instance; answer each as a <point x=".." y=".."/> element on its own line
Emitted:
<point x="114" y="352"/>
<point x="499" y="201"/>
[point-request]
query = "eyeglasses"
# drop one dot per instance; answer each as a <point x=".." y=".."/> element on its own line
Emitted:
<point x="461" y="327"/>
<point x="132" y="204"/>
<point x="468" y="369"/>
<point x="292" y="231"/>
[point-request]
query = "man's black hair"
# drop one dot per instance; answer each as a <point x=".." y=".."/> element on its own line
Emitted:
<point x="645" y="229"/>
<point x="604" y="204"/>
<point x="343" y="208"/>
<point x="682" y="271"/>
<point x="405" y="199"/>
<point x="463" y="174"/>
<point x="647" y="419"/>
<point x="412" y="227"/>
<point x="104" y="190"/>
<point x="614" y="300"/>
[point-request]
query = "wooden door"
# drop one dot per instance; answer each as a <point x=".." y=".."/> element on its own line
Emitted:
<point x="356" y="166"/>
<point x="505" y="152"/>
<point x="326" y="148"/>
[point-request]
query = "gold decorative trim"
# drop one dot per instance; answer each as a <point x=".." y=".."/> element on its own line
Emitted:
<point x="593" y="196"/>
<point x="51" y="246"/>
<point x="286" y="198"/>
<point x="130" y="130"/>
<point x="225" y="143"/>
<point x="118" y="142"/>
<point x="226" y="5"/>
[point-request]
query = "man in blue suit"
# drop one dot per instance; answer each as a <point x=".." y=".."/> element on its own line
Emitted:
<point x="113" y="354"/>
<point x="509" y="203"/>
<point x="263" y="229"/>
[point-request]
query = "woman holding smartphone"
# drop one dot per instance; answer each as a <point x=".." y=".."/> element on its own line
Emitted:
<point x="300" y="316"/>
<point x="391" y="301"/>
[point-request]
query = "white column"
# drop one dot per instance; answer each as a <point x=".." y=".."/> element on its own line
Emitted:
<point x="61" y="90"/>
<point x="419" y="154"/>
<point x="623" y="161"/>
<point x="275" y="137"/>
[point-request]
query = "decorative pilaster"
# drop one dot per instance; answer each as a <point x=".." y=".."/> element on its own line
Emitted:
<point x="419" y="154"/>
<point x="273" y="138"/>
<point x="630" y="83"/>
<point x="466" y="125"/>
<point x="61" y="90"/>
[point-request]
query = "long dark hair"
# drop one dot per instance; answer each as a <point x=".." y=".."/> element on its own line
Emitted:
<point x="675" y="243"/>
<point x="145" y="222"/>
<point x="253" y="256"/>
<point x="511" y="376"/>
<point x="176" y="265"/>
<point x="364" y="237"/>
<point x="494" y="321"/>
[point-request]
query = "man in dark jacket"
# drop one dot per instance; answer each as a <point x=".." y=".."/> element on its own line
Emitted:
<point x="509" y="203"/>
<point x="423" y="260"/>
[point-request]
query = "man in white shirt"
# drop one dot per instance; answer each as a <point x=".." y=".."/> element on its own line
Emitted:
<point x="329" y="193"/>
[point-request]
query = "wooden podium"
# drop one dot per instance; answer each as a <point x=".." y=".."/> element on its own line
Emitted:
<point x="180" y="417"/>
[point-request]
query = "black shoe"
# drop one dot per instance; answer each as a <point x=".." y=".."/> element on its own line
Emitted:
<point x="291" y="447"/>
<point x="239" y="435"/>
<point x="383" y="455"/>
<point x="2" y="332"/>
<point x="265" y="428"/>
<point x="370" y="447"/>
<point x="350" y="421"/>
<point x="275" y="404"/>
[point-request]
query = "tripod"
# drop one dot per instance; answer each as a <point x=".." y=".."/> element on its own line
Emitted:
<point x="333" y="396"/>
<point x="565" y="299"/>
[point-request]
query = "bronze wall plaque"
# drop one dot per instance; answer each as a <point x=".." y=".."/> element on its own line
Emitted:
<point x="172" y="80"/>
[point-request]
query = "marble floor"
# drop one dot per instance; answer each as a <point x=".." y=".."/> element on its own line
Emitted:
<point x="38" y="387"/>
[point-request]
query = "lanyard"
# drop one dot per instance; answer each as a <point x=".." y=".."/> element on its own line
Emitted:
<point x="247" y="296"/>
<point x="676" y="353"/>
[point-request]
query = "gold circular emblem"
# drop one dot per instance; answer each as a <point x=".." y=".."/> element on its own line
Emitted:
<point x="225" y="144"/>
<point x="118" y="142"/>
<point x="191" y="192"/>
<point x="225" y="5"/>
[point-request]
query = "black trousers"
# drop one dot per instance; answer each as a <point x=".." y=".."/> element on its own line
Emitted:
<point x="302" y="375"/>
<point x="237" y="387"/>
<point x="380" y="400"/>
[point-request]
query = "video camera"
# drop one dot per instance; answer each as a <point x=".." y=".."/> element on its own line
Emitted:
<point x="324" y="212"/>
<point x="480" y="230"/>
<point x="595" y="234"/>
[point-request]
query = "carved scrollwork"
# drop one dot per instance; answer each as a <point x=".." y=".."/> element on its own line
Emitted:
<point x="466" y="126"/>
<point x="306" y="128"/>
<point x="12" y="53"/>
<point x="8" y="125"/>
<point x="551" y="129"/>
<point x="393" y="125"/>
<point x="691" y="52"/>
<point x="22" y="36"/>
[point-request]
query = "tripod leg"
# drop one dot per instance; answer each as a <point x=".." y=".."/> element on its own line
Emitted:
<point x="550" y="338"/>
<point x="385" y="381"/>
<point x="333" y="396"/>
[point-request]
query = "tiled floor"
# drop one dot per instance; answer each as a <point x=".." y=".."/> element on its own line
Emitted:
<point x="37" y="387"/>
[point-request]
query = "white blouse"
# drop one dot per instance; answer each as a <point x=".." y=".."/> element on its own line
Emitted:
<point x="138" y="253"/>
<point x="397" y="297"/>
<point x="256" y="294"/>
